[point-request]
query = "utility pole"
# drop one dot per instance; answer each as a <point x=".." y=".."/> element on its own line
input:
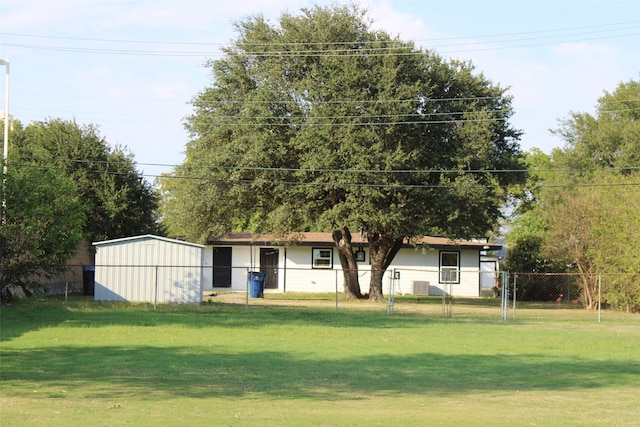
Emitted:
<point x="5" y="152"/>
<point x="5" y="146"/>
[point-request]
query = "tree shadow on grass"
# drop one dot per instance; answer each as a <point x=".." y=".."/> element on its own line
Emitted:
<point x="197" y="372"/>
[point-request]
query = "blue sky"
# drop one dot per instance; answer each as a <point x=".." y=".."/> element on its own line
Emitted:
<point x="131" y="67"/>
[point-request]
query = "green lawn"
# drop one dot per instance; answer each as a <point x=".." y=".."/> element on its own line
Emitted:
<point x="301" y="363"/>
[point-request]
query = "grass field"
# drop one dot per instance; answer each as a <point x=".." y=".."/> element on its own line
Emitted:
<point x="293" y="362"/>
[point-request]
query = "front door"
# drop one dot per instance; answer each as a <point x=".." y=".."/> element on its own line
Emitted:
<point x="221" y="267"/>
<point x="269" y="266"/>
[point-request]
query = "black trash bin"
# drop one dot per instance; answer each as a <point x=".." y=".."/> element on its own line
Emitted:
<point x="256" y="284"/>
<point x="88" y="280"/>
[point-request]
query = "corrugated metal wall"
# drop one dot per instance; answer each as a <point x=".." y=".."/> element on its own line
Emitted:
<point x="148" y="269"/>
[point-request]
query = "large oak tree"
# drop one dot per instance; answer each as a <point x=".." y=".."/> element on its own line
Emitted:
<point x="318" y="122"/>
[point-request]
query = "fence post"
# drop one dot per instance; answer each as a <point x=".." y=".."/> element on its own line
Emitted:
<point x="515" y="280"/>
<point x="246" y="304"/>
<point x="336" y="281"/>
<point x="155" y="291"/>
<point x="505" y="294"/>
<point x="66" y="287"/>
<point x="599" y="297"/>
<point x="446" y="295"/>
<point x="392" y="280"/>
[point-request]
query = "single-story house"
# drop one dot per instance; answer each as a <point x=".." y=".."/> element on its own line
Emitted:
<point x="310" y="263"/>
<point x="148" y="269"/>
<point x="160" y="270"/>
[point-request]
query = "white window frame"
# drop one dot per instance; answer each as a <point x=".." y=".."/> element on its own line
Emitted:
<point x="322" y="258"/>
<point x="449" y="272"/>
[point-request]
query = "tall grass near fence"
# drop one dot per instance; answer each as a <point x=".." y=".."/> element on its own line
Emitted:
<point x="301" y="363"/>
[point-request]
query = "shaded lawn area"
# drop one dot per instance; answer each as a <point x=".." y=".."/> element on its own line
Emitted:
<point x="219" y="364"/>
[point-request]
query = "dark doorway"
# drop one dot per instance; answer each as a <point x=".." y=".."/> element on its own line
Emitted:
<point x="221" y="267"/>
<point x="269" y="266"/>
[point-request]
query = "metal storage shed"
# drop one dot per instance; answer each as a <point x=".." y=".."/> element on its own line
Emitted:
<point x="148" y="269"/>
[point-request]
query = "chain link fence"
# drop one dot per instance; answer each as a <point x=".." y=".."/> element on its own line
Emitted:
<point x="563" y="289"/>
<point x="464" y="292"/>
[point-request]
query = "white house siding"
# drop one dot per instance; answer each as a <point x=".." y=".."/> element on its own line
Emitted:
<point x="414" y="265"/>
<point x="469" y="274"/>
<point x="417" y="266"/>
<point x="244" y="259"/>
<point x="300" y="277"/>
<point x="148" y="269"/>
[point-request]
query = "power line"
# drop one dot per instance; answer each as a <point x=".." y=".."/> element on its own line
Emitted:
<point x="333" y="185"/>
<point x="334" y="170"/>
<point x="567" y="31"/>
<point x="279" y="54"/>
<point x="320" y="124"/>
<point x="337" y="102"/>
<point x="363" y="46"/>
<point x="420" y="98"/>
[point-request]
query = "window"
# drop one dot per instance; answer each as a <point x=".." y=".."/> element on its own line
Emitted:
<point x="322" y="258"/>
<point x="449" y="267"/>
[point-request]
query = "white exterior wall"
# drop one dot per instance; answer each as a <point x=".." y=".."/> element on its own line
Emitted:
<point x="297" y="275"/>
<point x="148" y="269"/>
<point x="207" y="264"/>
<point x="243" y="259"/>
<point x="469" y="275"/>
<point x="302" y="278"/>
<point x="246" y="259"/>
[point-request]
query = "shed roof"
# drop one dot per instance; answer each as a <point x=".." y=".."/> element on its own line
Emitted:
<point x="326" y="239"/>
<point x="146" y="237"/>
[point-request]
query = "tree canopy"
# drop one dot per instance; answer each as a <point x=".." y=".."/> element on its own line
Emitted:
<point x="120" y="202"/>
<point x="318" y="122"/>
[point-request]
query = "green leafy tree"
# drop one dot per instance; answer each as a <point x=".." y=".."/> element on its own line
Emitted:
<point x="120" y="202"/>
<point x="616" y="237"/>
<point x="583" y="213"/>
<point x="610" y="139"/>
<point x="593" y="227"/>
<point x="319" y="122"/>
<point x="42" y="226"/>
<point x="527" y="226"/>
<point x="597" y="221"/>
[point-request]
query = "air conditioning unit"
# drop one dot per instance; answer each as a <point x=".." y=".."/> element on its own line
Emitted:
<point x="420" y="287"/>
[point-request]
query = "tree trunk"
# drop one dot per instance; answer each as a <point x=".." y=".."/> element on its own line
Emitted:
<point x="382" y="251"/>
<point x="342" y="239"/>
<point x="589" y="287"/>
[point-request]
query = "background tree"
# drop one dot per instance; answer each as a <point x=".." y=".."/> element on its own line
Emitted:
<point x="320" y="122"/>
<point x="528" y="227"/>
<point x="585" y="200"/>
<point x="43" y="225"/>
<point x="616" y="234"/>
<point x="120" y="202"/>
<point x="610" y="139"/>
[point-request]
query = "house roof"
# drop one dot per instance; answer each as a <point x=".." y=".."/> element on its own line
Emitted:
<point x="325" y="239"/>
<point x="146" y="237"/>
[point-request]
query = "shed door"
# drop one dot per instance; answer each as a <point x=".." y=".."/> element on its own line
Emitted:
<point x="222" y="267"/>
<point x="269" y="266"/>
